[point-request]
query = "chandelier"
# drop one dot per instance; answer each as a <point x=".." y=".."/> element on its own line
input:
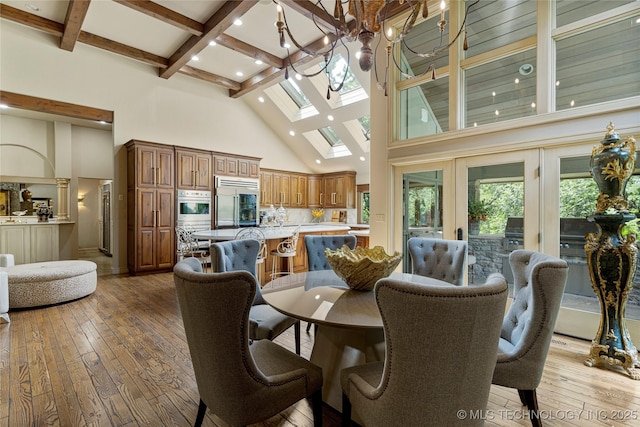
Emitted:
<point x="369" y="19"/>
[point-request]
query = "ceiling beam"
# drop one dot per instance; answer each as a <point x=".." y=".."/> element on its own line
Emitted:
<point x="221" y="20"/>
<point x="76" y="12"/>
<point x="31" y="20"/>
<point x="249" y="50"/>
<point x="123" y="49"/>
<point x="165" y="15"/>
<point x="314" y="13"/>
<point x="209" y="77"/>
<point x="25" y="102"/>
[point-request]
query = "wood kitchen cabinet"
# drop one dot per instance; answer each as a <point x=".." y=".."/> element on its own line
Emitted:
<point x="150" y="207"/>
<point x="314" y="191"/>
<point x="266" y="188"/>
<point x="229" y="165"/>
<point x="193" y="170"/>
<point x="282" y="189"/>
<point x="339" y="190"/>
<point x="299" y="188"/>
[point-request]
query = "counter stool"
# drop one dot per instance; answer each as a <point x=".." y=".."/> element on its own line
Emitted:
<point x="286" y="249"/>
<point x="256" y="234"/>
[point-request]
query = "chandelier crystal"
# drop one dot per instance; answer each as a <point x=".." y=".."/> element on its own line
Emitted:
<point x="369" y="19"/>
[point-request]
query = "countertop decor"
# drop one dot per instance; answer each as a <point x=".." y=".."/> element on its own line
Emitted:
<point x="361" y="268"/>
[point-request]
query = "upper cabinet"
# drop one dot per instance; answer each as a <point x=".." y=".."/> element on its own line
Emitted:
<point x="314" y="191"/>
<point x="193" y="169"/>
<point x="228" y="165"/>
<point x="153" y="165"/>
<point x="339" y="190"/>
<point x="297" y="190"/>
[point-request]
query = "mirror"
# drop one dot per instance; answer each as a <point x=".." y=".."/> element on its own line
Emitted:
<point x="22" y="199"/>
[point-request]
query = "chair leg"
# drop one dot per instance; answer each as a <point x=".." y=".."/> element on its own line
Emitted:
<point x="346" y="411"/>
<point x="316" y="403"/>
<point x="202" y="408"/>
<point x="296" y="333"/>
<point x="530" y="400"/>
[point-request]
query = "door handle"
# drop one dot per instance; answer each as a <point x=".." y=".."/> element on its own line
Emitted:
<point x="459" y="231"/>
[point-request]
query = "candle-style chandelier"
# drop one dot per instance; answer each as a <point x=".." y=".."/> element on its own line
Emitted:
<point x="369" y="18"/>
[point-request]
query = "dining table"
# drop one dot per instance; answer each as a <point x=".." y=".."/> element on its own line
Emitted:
<point x="349" y="325"/>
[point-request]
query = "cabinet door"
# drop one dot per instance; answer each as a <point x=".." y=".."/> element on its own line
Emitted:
<point x="340" y="192"/>
<point x="219" y="165"/>
<point x="44" y="243"/>
<point x="300" y="262"/>
<point x="232" y="166"/>
<point x="203" y="172"/>
<point x="282" y="189"/>
<point x="329" y="193"/>
<point x="314" y="193"/>
<point x="298" y="191"/>
<point x="165" y="168"/>
<point x="254" y="169"/>
<point x="244" y="168"/>
<point x="266" y="189"/>
<point x="165" y="237"/>
<point x="146" y="167"/>
<point x="16" y="240"/>
<point x="186" y="162"/>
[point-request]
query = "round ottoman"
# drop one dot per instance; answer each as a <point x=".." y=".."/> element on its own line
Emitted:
<point x="51" y="282"/>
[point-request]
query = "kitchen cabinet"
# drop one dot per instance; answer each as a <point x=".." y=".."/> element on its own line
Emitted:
<point x="150" y="208"/>
<point x="298" y="198"/>
<point x="314" y="191"/>
<point x="193" y="170"/>
<point x="266" y="188"/>
<point x="229" y="165"/>
<point x="282" y="189"/>
<point x="339" y="190"/>
<point x="30" y="242"/>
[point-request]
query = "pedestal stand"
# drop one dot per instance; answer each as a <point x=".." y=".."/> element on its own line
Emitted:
<point x="612" y="264"/>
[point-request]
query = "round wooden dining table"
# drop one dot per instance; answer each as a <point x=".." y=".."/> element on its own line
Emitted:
<point x="349" y="329"/>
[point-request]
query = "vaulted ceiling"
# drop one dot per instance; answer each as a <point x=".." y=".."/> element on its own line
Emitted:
<point x="202" y="39"/>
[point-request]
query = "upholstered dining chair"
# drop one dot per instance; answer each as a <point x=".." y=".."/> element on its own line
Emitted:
<point x="315" y="246"/>
<point x="265" y="322"/>
<point x="242" y="383"/>
<point x="429" y="373"/>
<point x="439" y="259"/>
<point x="527" y="329"/>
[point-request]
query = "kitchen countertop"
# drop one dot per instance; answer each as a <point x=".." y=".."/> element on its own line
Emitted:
<point x="269" y="233"/>
<point x="359" y="232"/>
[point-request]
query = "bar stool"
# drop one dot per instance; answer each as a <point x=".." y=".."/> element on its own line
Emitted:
<point x="256" y="234"/>
<point x="286" y="249"/>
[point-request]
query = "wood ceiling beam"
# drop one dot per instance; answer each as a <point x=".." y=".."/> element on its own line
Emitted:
<point x="123" y="49"/>
<point x="221" y="20"/>
<point x="76" y="12"/>
<point x="312" y="12"/>
<point x="165" y="15"/>
<point x="25" y="102"/>
<point x="249" y="50"/>
<point x="30" y="20"/>
<point x="209" y="77"/>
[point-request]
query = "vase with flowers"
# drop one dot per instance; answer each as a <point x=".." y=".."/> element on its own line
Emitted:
<point x="478" y="212"/>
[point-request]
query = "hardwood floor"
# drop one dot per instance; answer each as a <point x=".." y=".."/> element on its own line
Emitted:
<point x="119" y="358"/>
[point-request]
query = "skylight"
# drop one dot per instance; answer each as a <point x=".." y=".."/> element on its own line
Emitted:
<point x="330" y="135"/>
<point x="336" y="71"/>
<point x="296" y="94"/>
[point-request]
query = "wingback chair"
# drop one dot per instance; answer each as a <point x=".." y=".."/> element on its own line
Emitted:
<point x="527" y="329"/>
<point x="429" y="373"/>
<point x="242" y="383"/>
<point x="438" y="259"/>
<point x="265" y="322"/>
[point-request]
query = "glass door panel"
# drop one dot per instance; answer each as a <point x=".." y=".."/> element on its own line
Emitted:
<point x="495" y="218"/>
<point x="422" y="204"/>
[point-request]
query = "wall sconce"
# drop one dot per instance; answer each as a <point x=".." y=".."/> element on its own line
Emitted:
<point x="81" y="199"/>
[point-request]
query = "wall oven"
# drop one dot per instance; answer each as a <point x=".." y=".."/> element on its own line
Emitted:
<point x="236" y="202"/>
<point x="194" y="209"/>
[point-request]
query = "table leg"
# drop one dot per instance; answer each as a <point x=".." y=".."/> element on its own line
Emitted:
<point x="337" y="348"/>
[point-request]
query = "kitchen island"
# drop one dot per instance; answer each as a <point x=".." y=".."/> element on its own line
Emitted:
<point x="274" y="235"/>
<point x="29" y="240"/>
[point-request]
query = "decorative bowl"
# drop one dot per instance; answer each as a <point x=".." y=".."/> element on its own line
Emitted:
<point x="361" y="268"/>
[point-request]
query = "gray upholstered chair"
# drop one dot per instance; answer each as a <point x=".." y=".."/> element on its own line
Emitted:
<point x="527" y="329"/>
<point x="438" y="259"/>
<point x="265" y="322"/>
<point x="429" y="373"/>
<point x="242" y="383"/>
<point x="316" y="245"/>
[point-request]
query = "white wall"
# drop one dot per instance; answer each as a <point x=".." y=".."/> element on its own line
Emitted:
<point x="88" y="213"/>
<point x="178" y="111"/>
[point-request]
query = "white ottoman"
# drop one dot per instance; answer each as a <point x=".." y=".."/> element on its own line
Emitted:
<point x="51" y="282"/>
<point x="4" y="296"/>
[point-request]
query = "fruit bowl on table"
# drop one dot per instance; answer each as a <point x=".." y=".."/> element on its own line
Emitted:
<point x="361" y="268"/>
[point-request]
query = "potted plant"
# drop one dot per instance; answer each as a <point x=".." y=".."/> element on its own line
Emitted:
<point x="478" y="211"/>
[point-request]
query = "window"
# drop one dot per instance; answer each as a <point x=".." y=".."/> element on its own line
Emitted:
<point x="337" y="70"/>
<point x="294" y="92"/>
<point x="424" y="109"/>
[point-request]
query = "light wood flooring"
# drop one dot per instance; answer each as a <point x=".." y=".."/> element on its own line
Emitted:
<point x="119" y="358"/>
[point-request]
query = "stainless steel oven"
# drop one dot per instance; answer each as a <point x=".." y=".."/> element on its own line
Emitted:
<point x="236" y="202"/>
<point x="194" y="209"/>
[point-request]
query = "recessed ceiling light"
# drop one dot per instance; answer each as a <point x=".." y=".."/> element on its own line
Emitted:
<point x="525" y="69"/>
<point x="533" y="105"/>
<point x="292" y="133"/>
<point x="32" y="7"/>
<point x="102" y="122"/>
<point x="287" y="45"/>
<point x="358" y="54"/>
<point x="493" y="93"/>
<point x="239" y="73"/>
<point x="517" y="80"/>
<point x="258" y="62"/>
<point x="195" y="58"/>
<point x="362" y="158"/>
<point x="557" y="82"/>
<point x="638" y="21"/>
<point x="318" y="161"/>
<point x="298" y="76"/>
<point x="212" y="43"/>
<point x="475" y="124"/>
<point x="237" y="22"/>
<point x="330" y="117"/>
<point x="497" y="113"/>
<point x="261" y="99"/>
<point x="572" y="103"/>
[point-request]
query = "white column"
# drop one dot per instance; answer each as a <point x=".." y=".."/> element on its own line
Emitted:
<point x="63" y="199"/>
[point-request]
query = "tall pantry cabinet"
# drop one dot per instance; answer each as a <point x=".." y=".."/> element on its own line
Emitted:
<point x="150" y="207"/>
